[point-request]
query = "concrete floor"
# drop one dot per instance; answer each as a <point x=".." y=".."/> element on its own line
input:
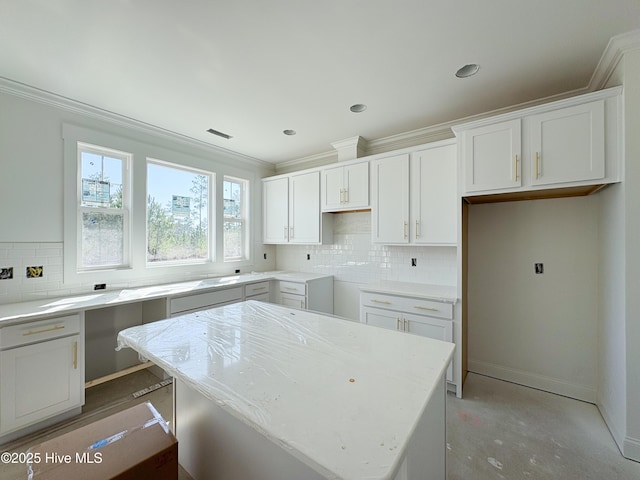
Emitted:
<point x="503" y="430"/>
<point x="499" y="430"/>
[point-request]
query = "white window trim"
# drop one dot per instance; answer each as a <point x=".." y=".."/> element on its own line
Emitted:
<point x="138" y="273"/>
<point x="245" y="219"/>
<point x="126" y="158"/>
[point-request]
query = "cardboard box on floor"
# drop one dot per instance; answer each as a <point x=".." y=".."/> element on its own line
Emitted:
<point x="135" y="444"/>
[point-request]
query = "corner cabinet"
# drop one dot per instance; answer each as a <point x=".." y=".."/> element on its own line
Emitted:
<point x="570" y="143"/>
<point x="414" y="197"/>
<point x="291" y="210"/>
<point x="345" y="188"/>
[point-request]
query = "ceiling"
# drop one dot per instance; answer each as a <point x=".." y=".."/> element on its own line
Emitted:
<point x="253" y="68"/>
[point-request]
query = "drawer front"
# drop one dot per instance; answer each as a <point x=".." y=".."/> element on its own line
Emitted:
<point x="32" y="332"/>
<point x="261" y="297"/>
<point x="416" y="306"/>
<point x="202" y="300"/>
<point x="256" y="289"/>
<point x="294" y="288"/>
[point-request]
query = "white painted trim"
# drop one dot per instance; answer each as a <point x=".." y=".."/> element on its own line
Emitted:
<point x="540" y="382"/>
<point x="617" y="47"/>
<point x="28" y="92"/>
<point x="618" y="437"/>
<point x="631" y="449"/>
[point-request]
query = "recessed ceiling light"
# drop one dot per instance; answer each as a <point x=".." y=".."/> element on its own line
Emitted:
<point x="289" y="132"/>
<point x="220" y="134"/>
<point x="468" y="70"/>
<point x="358" y="107"/>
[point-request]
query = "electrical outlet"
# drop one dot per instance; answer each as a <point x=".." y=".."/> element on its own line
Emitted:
<point x="6" y="273"/>
<point x="100" y="286"/>
<point x="237" y="270"/>
<point x="414" y="262"/>
<point x="265" y="256"/>
<point x="539" y="268"/>
<point x="308" y="256"/>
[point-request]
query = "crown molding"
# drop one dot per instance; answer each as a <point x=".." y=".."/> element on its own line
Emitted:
<point x="17" y="89"/>
<point x="615" y="50"/>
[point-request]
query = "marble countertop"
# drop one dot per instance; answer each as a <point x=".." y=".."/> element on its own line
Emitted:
<point x="440" y="293"/>
<point x="33" y="310"/>
<point x="341" y="396"/>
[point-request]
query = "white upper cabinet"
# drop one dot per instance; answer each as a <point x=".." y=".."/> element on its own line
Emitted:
<point x="492" y="156"/>
<point x="414" y="197"/>
<point x="345" y="187"/>
<point x="304" y="208"/>
<point x="390" y="200"/>
<point x="275" y="210"/>
<point x="291" y="210"/>
<point x="434" y="196"/>
<point x="569" y="143"/>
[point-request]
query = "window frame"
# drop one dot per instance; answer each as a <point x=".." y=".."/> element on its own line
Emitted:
<point x="244" y="219"/>
<point x="211" y="230"/>
<point x="126" y="159"/>
<point x="192" y="157"/>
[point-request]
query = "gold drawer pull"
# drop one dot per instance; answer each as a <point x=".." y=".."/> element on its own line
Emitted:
<point x="52" y="329"/>
<point x="75" y="355"/>
<point x="259" y="288"/>
<point x="380" y="301"/>
<point x="431" y="309"/>
<point x="291" y="288"/>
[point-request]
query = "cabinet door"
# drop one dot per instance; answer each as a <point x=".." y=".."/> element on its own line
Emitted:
<point x="40" y="381"/>
<point x="434" y="198"/>
<point x="356" y="184"/>
<point x="304" y="208"/>
<point x="293" y="301"/>
<point x="275" y="210"/>
<point x="380" y="318"/>
<point x="492" y="157"/>
<point x="390" y="200"/>
<point x="432" y="328"/>
<point x="332" y="189"/>
<point x="567" y="145"/>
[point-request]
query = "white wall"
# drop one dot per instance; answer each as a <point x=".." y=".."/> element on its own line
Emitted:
<point x="32" y="188"/>
<point x="353" y="261"/>
<point x="538" y="330"/>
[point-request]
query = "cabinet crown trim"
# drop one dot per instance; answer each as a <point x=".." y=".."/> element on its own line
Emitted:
<point x="546" y="107"/>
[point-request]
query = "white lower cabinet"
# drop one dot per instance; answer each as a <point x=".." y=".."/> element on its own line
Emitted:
<point x="306" y="293"/>
<point x="42" y="370"/>
<point x="393" y="313"/>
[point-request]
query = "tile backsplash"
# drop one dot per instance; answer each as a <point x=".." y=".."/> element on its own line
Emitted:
<point x="352" y="257"/>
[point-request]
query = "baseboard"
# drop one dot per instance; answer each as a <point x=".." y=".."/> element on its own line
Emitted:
<point x="618" y="438"/>
<point x="631" y="449"/>
<point x="540" y="382"/>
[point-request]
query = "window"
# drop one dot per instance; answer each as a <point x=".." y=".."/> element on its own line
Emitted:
<point x="235" y="219"/>
<point x="103" y="210"/>
<point x="178" y="206"/>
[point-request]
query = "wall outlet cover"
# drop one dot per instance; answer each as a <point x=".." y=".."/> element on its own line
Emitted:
<point x="35" y="272"/>
<point x="539" y="267"/>
<point x="6" y="273"/>
<point x="414" y="262"/>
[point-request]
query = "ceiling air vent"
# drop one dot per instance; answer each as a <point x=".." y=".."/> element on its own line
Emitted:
<point x="220" y="134"/>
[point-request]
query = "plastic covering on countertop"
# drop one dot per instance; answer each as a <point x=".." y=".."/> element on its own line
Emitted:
<point x="333" y="391"/>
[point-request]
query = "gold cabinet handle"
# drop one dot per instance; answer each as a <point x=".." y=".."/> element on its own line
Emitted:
<point x="537" y="165"/>
<point x="431" y="309"/>
<point x="341" y="196"/>
<point x="405" y="229"/>
<point x="259" y="288"/>
<point x="291" y="232"/>
<point x="418" y="233"/>
<point x="405" y="325"/>
<point x="398" y="323"/>
<point x="380" y="301"/>
<point x="346" y="195"/>
<point x="290" y="288"/>
<point x="285" y="232"/>
<point x="45" y="330"/>
<point x="75" y="355"/>
<point x="515" y="165"/>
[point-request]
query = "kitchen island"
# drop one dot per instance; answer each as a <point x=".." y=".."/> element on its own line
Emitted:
<point x="267" y="392"/>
